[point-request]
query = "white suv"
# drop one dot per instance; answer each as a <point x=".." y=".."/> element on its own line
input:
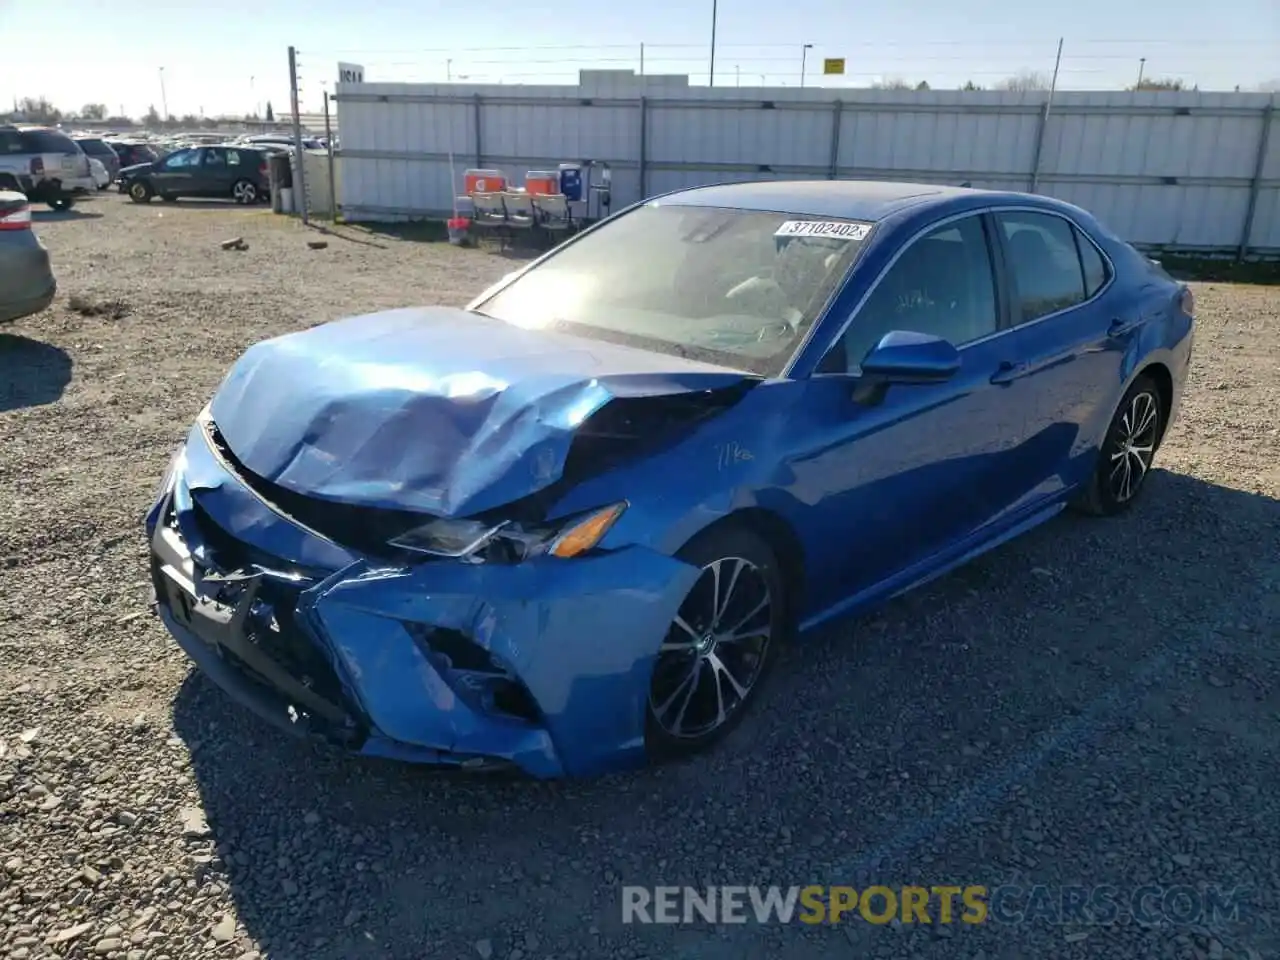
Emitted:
<point x="45" y="164"/>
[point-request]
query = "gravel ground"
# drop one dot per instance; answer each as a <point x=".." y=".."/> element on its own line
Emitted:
<point x="1096" y="704"/>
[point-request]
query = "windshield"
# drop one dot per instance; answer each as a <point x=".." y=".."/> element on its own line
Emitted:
<point x="733" y="287"/>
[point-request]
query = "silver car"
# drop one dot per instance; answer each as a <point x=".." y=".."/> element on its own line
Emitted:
<point x="27" y="284"/>
<point x="45" y="164"/>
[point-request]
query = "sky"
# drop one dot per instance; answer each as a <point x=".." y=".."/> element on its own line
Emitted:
<point x="230" y="57"/>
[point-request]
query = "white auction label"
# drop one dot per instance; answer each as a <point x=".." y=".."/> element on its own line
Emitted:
<point x="839" y="229"/>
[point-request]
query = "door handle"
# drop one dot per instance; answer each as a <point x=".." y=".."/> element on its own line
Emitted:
<point x="1120" y="327"/>
<point x="1008" y="371"/>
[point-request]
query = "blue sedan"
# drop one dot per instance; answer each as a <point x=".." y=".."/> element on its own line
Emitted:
<point x="565" y="530"/>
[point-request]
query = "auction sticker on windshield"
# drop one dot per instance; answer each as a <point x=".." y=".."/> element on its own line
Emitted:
<point x="838" y="229"/>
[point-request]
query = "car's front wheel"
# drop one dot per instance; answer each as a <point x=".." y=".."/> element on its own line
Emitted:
<point x="721" y="646"/>
<point x="61" y="204"/>
<point x="140" y="191"/>
<point x="1128" y="451"/>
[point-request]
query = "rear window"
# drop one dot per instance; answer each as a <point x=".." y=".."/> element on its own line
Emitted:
<point x="46" y="141"/>
<point x="98" y="148"/>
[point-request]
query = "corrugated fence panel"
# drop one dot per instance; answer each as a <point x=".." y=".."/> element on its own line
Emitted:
<point x="1162" y="168"/>
<point x="739" y="133"/>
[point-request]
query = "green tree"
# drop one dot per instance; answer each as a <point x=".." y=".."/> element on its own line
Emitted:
<point x="1163" y="83"/>
<point x="93" y="111"/>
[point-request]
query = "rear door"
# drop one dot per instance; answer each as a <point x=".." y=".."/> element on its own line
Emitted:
<point x="1073" y="328"/>
<point x="61" y="156"/>
<point x="216" y="172"/>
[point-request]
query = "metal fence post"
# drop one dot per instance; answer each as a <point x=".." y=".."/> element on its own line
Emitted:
<point x="644" y="150"/>
<point x="1259" y="165"/>
<point x="479" y="141"/>
<point x="301" y="192"/>
<point x="328" y="144"/>
<point x="833" y="170"/>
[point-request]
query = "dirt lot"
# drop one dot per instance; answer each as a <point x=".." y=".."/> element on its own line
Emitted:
<point x="1096" y="704"/>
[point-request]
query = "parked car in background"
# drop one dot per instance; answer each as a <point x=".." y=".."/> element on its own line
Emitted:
<point x="45" y="164"/>
<point x="27" y="284"/>
<point x="236" y="172"/>
<point x="568" y="527"/>
<point x="100" y="149"/>
<point x="281" y="142"/>
<point x="101" y="178"/>
<point x="132" y="153"/>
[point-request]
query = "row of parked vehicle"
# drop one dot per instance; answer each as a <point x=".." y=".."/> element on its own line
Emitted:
<point x="49" y="165"/>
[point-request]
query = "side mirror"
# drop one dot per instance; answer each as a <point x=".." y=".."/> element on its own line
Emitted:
<point x="904" y="356"/>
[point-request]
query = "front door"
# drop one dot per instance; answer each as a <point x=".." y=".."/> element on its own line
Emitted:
<point x="904" y="477"/>
<point x="175" y="176"/>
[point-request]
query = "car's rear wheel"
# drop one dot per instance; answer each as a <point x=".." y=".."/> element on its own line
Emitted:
<point x="721" y="646"/>
<point x="168" y="198"/>
<point x="1127" y="453"/>
<point x="140" y="191"/>
<point x="243" y="191"/>
<point x="61" y="204"/>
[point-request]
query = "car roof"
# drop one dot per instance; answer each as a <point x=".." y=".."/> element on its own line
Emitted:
<point x="869" y="200"/>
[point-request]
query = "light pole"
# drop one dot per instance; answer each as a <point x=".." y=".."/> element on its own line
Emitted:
<point x="804" y="57"/>
<point x="448" y="71"/>
<point x="712" y="81"/>
<point x="1142" y="65"/>
<point x="164" y="100"/>
<point x="737" y="74"/>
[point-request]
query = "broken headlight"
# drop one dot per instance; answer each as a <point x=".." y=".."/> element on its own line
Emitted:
<point x="477" y="541"/>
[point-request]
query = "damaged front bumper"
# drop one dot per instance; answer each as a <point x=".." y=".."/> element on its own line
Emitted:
<point x="542" y="665"/>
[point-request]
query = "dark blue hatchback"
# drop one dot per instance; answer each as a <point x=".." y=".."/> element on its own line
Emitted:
<point x="567" y="528"/>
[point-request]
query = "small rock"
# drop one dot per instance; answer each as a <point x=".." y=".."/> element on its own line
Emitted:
<point x="484" y="948"/>
<point x="194" y="825"/>
<point x="28" y="735"/>
<point x="1182" y="859"/>
<point x="317" y="244"/>
<point x="290" y="888"/>
<point x="1077" y="936"/>
<point x="232" y="244"/>
<point x="126" y="818"/>
<point x="69" y="934"/>
<point x="51" y="803"/>
<point x="107" y="945"/>
<point x="311" y="819"/>
<point x="224" y="929"/>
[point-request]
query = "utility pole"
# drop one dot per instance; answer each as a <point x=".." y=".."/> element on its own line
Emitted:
<point x="804" y="56"/>
<point x="301" y="192"/>
<point x="712" y="81"/>
<point x="164" y="100"/>
<point x="1142" y="65"/>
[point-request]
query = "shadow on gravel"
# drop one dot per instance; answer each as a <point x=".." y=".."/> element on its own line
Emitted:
<point x="889" y="741"/>
<point x="31" y="373"/>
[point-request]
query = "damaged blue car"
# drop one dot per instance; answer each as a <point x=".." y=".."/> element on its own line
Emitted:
<point x="566" y="529"/>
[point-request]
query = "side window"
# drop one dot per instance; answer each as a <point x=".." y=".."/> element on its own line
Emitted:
<point x="9" y="143"/>
<point x="181" y="160"/>
<point x="233" y="158"/>
<point x="1045" y="266"/>
<point x="942" y="285"/>
<point x="214" y="157"/>
<point x="1096" y="273"/>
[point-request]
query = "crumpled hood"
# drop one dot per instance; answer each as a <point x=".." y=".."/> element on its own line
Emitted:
<point x="432" y="409"/>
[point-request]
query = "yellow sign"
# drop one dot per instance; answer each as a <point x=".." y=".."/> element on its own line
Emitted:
<point x="833" y="65"/>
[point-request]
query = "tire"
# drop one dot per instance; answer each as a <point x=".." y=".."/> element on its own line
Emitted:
<point x="244" y="191"/>
<point x="61" y="204"/>
<point x="168" y="198"/>
<point x="1127" y="452"/>
<point x="140" y="191"/>
<point x="694" y="665"/>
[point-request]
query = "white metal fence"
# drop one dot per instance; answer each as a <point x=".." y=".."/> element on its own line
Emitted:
<point x="1174" y="170"/>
